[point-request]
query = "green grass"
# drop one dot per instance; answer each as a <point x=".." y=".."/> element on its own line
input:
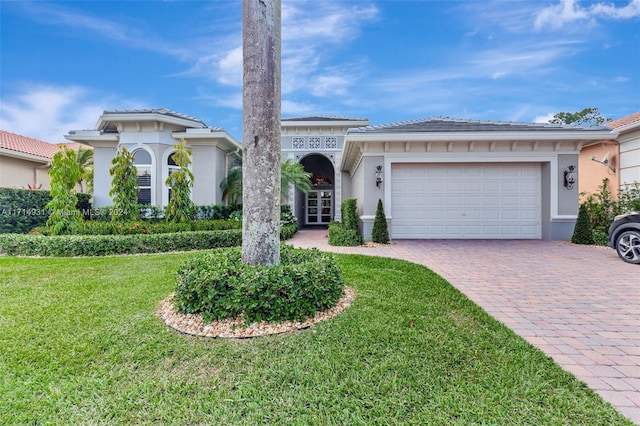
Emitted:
<point x="80" y="344"/>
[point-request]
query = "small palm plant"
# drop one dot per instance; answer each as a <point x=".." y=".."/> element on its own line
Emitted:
<point x="291" y="173"/>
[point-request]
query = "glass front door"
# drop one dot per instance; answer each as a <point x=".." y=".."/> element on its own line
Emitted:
<point x="319" y="207"/>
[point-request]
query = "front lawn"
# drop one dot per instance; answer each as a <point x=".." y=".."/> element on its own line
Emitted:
<point x="80" y="344"/>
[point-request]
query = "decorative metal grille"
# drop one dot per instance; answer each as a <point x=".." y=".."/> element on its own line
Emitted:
<point x="314" y="143"/>
<point x="330" y="143"/>
<point x="298" y="143"/>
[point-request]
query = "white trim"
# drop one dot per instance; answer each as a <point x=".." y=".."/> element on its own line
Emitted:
<point x="154" y="172"/>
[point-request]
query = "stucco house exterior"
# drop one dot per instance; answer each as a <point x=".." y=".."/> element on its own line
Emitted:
<point x="628" y="131"/>
<point x="438" y="178"/>
<point x="25" y="161"/>
<point x="150" y="135"/>
<point x="445" y="178"/>
<point x="617" y="159"/>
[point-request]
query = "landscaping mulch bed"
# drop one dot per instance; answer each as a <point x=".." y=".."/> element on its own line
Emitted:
<point x="236" y="328"/>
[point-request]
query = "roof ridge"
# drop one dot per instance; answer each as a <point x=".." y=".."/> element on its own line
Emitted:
<point x="333" y="117"/>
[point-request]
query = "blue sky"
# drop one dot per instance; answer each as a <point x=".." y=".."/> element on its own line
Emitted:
<point x="63" y="63"/>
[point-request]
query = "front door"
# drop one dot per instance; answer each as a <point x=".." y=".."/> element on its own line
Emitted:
<point x="319" y="207"/>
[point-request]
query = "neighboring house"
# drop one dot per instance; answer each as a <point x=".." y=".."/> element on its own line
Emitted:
<point x="438" y="178"/>
<point x="25" y="162"/>
<point x="628" y="130"/>
<point x="150" y="135"/>
<point x="617" y="159"/>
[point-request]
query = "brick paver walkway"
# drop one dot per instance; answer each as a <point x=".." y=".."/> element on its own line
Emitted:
<point x="578" y="304"/>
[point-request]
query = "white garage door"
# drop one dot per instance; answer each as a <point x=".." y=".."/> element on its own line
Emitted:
<point x="478" y="201"/>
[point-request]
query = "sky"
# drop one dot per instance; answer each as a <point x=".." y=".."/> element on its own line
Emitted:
<point x="63" y="63"/>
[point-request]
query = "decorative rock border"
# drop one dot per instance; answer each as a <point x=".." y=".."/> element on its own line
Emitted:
<point x="235" y="328"/>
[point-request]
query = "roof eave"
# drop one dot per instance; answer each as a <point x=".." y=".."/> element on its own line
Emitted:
<point x="146" y="116"/>
<point x="24" y="156"/>
<point x="579" y="135"/>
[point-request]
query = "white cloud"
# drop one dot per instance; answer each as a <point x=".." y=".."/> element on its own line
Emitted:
<point x="48" y="112"/>
<point x="568" y="11"/>
<point x="543" y="118"/>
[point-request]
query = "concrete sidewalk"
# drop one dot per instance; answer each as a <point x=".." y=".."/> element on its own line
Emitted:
<point x="578" y="304"/>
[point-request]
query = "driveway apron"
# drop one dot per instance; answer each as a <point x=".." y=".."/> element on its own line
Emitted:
<point x="578" y="304"/>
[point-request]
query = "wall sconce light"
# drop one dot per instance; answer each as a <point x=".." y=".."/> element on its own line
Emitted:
<point x="378" y="176"/>
<point x="569" y="177"/>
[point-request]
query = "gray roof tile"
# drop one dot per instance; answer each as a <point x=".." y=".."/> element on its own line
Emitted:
<point x="444" y="125"/>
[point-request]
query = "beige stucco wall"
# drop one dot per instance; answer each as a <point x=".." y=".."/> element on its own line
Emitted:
<point x="17" y="173"/>
<point x="591" y="173"/>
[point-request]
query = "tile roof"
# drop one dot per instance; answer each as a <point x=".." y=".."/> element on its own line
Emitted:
<point x="629" y="119"/>
<point x="162" y="111"/>
<point x="444" y="125"/>
<point x="25" y="145"/>
<point x="323" y="118"/>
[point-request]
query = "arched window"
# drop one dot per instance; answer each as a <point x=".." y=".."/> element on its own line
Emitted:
<point x="171" y="167"/>
<point x="142" y="160"/>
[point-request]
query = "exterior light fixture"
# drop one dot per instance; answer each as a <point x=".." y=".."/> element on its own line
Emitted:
<point x="378" y="176"/>
<point x="569" y="177"/>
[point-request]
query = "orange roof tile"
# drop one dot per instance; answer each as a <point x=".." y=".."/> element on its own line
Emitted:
<point x="624" y="120"/>
<point x="25" y="145"/>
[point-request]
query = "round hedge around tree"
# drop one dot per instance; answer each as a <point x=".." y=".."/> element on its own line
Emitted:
<point x="218" y="285"/>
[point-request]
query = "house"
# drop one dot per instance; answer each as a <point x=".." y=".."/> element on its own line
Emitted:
<point x="437" y="178"/>
<point x="616" y="159"/>
<point x="150" y="135"/>
<point x="628" y="130"/>
<point x="25" y="162"/>
<point x="467" y="179"/>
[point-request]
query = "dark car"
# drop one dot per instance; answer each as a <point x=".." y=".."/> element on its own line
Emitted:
<point x="624" y="236"/>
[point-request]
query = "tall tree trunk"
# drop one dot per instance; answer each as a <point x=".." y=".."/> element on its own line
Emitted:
<point x="261" y="135"/>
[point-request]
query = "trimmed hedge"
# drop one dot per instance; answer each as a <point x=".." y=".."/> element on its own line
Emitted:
<point x="100" y="245"/>
<point x="143" y="227"/>
<point x="21" y="210"/>
<point x="340" y="236"/>
<point x="348" y="209"/>
<point x="219" y="285"/>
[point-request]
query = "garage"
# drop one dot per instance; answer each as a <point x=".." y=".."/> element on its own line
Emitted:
<point x="475" y="201"/>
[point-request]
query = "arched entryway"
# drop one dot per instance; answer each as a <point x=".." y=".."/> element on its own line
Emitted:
<point x="317" y="207"/>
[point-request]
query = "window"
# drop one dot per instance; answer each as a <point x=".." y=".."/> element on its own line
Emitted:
<point x="142" y="160"/>
<point x="171" y="167"/>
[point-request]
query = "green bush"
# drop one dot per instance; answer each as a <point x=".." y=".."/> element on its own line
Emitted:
<point x="100" y="245"/>
<point x="21" y="210"/>
<point x="143" y="227"/>
<point x="380" y="232"/>
<point x="339" y="236"/>
<point x="348" y="208"/>
<point x="582" y="233"/>
<point x="219" y="285"/>
<point x="288" y="231"/>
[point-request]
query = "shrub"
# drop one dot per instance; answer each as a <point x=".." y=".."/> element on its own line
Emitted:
<point x="180" y="207"/>
<point x="339" y="236"/>
<point x="288" y="231"/>
<point x="21" y="210"/>
<point x="582" y="233"/>
<point x="143" y="227"/>
<point x="124" y="187"/>
<point x="219" y="285"/>
<point x="348" y="209"/>
<point x="215" y="211"/>
<point x="380" y="232"/>
<point x="100" y="245"/>
<point x="65" y="174"/>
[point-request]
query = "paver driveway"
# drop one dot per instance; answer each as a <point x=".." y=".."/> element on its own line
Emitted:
<point x="578" y="304"/>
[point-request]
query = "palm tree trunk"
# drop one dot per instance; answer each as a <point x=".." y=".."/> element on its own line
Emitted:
<point x="261" y="36"/>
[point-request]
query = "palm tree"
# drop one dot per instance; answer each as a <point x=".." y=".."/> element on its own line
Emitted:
<point x="84" y="159"/>
<point x="291" y="173"/>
